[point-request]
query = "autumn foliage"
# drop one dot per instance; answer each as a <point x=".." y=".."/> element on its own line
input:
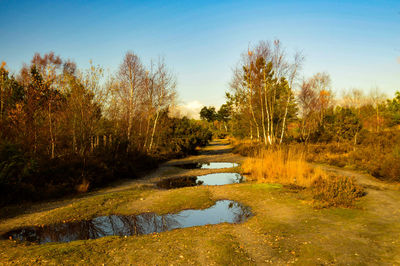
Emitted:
<point x="65" y="130"/>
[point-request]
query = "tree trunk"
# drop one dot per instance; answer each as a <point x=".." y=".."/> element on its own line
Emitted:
<point x="147" y="134"/>
<point x="128" y="133"/>
<point x="266" y="109"/>
<point x="251" y="130"/>
<point x="284" y="117"/>
<point x="52" y="142"/>
<point x="1" y="105"/>
<point x="377" y="118"/>
<point x="130" y="108"/>
<point x="74" y="135"/>
<point x="251" y="109"/>
<point x="154" y="130"/>
<point x="262" y="117"/>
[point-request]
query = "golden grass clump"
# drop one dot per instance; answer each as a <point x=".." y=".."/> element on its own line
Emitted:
<point x="289" y="167"/>
<point x="281" y="166"/>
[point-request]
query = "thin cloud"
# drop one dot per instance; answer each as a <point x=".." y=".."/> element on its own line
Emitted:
<point x="190" y="110"/>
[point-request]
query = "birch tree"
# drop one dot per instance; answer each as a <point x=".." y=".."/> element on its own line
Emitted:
<point x="266" y="81"/>
<point x="131" y="74"/>
<point x="164" y="93"/>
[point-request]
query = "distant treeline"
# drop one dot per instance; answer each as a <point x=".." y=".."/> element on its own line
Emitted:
<point x="64" y="130"/>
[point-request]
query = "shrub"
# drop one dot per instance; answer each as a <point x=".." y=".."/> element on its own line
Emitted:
<point x="181" y="138"/>
<point x="15" y="171"/>
<point x="14" y="164"/>
<point x="337" y="191"/>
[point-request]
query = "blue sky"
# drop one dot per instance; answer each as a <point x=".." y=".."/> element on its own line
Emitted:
<point x="356" y="42"/>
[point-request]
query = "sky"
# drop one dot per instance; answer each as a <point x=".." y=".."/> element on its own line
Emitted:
<point x="356" y="42"/>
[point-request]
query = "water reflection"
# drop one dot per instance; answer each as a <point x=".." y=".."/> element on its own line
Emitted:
<point x="178" y="182"/>
<point x="220" y="179"/>
<point x="212" y="165"/>
<point x="215" y="179"/>
<point x="122" y="225"/>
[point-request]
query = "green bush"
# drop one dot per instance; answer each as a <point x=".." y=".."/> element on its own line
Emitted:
<point x="181" y="138"/>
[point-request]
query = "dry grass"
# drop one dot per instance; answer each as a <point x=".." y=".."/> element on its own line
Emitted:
<point x="289" y="167"/>
<point x="246" y="147"/>
<point x="281" y="166"/>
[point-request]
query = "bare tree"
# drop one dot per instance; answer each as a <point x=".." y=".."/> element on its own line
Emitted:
<point x="308" y="103"/>
<point x="293" y="71"/>
<point x="354" y="98"/>
<point x="131" y="74"/>
<point x="164" y="93"/>
<point x="321" y="84"/>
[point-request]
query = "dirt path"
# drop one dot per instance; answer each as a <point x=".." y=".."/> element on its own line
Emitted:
<point x="216" y="151"/>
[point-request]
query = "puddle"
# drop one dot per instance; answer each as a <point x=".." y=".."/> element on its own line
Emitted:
<point x="220" y="179"/>
<point x="121" y="225"/>
<point x="215" y="179"/>
<point x="178" y="182"/>
<point x="213" y="165"/>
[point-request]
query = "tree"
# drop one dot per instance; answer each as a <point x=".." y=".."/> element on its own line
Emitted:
<point x="83" y="109"/>
<point x="224" y="114"/>
<point x="262" y="90"/>
<point x="308" y="102"/>
<point x="139" y="96"/>
<point x="347" y="124"/>
<point x="164" y="93"/>
<point x="208" y="113"/>
<point x="62" y="128"/>
<point x="315" y="99"/>
<point x="11" y="93"/>
<point x="131" y="75"/>
<point x="393" y="110"/>
<point x="354" y="98"/>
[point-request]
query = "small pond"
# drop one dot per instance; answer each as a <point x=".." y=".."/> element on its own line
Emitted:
<point x="126" y="225"/>
<point x="215" y="179"/>
<point x="212" y="165"/>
